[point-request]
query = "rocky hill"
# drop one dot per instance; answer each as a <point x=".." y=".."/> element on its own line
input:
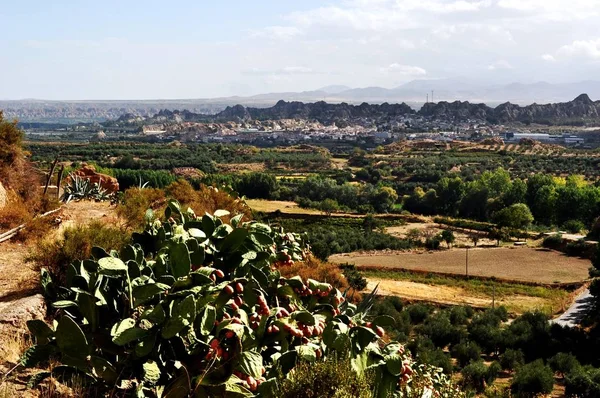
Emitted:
<point x="320" y="111"/>
<point x="581" y="110"/>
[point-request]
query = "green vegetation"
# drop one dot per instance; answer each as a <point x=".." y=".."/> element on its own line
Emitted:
<point x="341" y="235"/>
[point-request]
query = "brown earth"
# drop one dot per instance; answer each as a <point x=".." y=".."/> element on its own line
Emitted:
<point x="518" y="264"/>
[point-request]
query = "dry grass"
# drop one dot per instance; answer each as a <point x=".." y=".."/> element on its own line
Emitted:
<point x="268" y="206"/>
<point x="456" y="295"/>
<point x="518" y="264"/>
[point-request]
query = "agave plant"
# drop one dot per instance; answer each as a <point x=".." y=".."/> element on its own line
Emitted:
<point x="196" y="308"/>
<point x="80" y="188"/>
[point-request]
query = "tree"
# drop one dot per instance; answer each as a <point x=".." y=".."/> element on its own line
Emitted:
<point x="533" y="379"/>
<point x="328" y="206"/>
<point x="257" y="185"/>
<point x="448" y="237"/>
<point x="516" y="216"/>
<point x="499" y="235"/>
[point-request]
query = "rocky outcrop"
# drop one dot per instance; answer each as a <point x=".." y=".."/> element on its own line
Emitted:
<point x="107" y="182"/>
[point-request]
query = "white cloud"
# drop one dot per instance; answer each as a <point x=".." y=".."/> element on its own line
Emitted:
<point x="500" y="65"/>
<point x="548" y="58"/>
<point x="404" y="70"/>
<point x="581" y="48"/>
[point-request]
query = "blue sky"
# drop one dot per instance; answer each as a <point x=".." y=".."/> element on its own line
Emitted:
<point x="199" y="49"/>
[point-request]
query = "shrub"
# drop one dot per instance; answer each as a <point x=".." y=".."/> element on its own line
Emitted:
<point x="576" y="249"/>
<point x="208" y="199"/>
<point x="77" y="242"/>
<point x="512" y="359"/>
<point x="441" y="331"/>
<point x="331" y="378"/>
<point x="573" y="226"/>
<point x="355" y="279"/>
<point x="136" y="201"/>
<point x="553" y="241"/>
<point x="313" y="268"/>
<point x="419" y="312"/>
<point x="532" y="379"/>
<point x="563" y="363"/>
<point x="433" y="243"/>
<point x="436" y="357"/>
<point x="465" y="352"/>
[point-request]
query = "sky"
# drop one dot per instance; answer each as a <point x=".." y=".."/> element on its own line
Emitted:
<point x="204" y="49"/>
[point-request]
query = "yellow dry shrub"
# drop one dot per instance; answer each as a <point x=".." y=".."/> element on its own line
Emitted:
<point x="207" y="199"/>
<point x="316" y="269"/>
<point x="135" y="203"/>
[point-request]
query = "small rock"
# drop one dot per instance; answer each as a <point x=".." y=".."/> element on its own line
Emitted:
<point x="24" y="309"/>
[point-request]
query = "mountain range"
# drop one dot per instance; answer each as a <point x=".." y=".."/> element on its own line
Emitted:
<point x="420" y="91"/>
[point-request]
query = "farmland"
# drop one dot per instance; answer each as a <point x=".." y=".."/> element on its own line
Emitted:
<point x="518" y="264"/>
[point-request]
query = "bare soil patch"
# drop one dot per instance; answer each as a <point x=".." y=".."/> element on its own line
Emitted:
<point x="518" y="264"/>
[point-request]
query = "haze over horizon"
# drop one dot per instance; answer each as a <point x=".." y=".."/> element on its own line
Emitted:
<point x="149" y="50"/>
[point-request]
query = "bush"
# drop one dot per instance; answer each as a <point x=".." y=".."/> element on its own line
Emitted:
<point x="553" y="241"/>
<point x="313" y="268"/>
<point x="533" y="379"/>
<point x="563" y="363"/>
<point x="208" y="199"/>
<point x="355" y="279"/>
<point x="441" y="331"/>
<point x="573" y="226"/>
<point x="576" y="249"/>
<point x="332" y="378"/>
<point x="56" y="255"/>
<point x="436" y="357"/>
<point x="419" y="312"/>
<point x="465" y="352"/>
<point x="136" y="201"/>
<point x="512" y="359"/>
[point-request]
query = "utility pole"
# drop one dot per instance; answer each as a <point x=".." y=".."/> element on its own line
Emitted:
<point x="432" y="96"/>
<point x="467" y="263"/>
<point x="427" y="99"/>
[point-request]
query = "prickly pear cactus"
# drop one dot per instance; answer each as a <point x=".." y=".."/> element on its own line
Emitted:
<point x="196" y="307"/>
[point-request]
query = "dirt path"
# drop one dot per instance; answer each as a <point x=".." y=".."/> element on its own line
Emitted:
<point x="454" y="295"/>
